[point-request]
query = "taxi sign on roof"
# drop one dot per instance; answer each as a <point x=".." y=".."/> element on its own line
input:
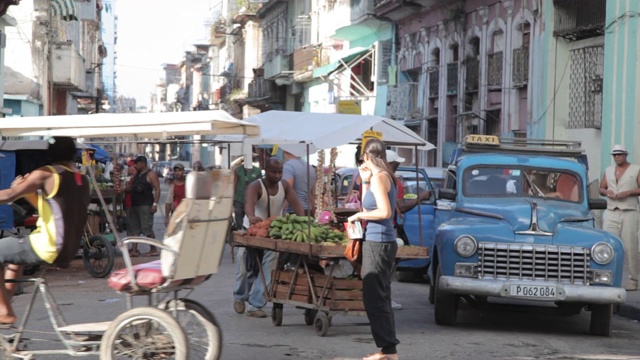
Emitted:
<point x="482" y="139"/>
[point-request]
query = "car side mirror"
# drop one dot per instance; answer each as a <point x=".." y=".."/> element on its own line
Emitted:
<point x="597" y="204"/>
<point x="447" y="194"/>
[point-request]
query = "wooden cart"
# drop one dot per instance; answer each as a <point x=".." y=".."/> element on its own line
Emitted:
<point x="322" y="296"/>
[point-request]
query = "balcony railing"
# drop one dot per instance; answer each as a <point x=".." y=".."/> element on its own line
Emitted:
<point x="472" y="76"/>
<point x="434" y="83"/>
<point x="304" y="58"/>
<point x="579" y="19"/>
<point x="521" y="66"/>
<point x="260" y="88"/>
<point x="452" y="78"/>
<point x="68" y="67"/>
<point x="494" y="76"/>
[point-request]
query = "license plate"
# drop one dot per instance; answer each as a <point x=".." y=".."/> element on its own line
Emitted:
<point x="533" y="291"/>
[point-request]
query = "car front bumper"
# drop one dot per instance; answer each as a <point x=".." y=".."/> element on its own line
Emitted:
<point x="565" y="292"/>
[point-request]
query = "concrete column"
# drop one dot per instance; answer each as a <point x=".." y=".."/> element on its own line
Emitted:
<point x="482" y="89"/>
<point x="509" y="94"/>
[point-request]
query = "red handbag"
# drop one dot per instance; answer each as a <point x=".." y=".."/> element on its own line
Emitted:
<point x="353" y="252"/>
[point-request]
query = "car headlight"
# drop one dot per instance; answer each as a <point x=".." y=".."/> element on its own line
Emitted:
<point x="602" y="253"/>
<point x="465" y="245"/>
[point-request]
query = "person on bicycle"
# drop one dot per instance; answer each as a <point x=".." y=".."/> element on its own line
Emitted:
<point x="61" y="195"/>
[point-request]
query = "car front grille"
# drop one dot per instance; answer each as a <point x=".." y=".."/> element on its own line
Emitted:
<point x="563" y="264"/>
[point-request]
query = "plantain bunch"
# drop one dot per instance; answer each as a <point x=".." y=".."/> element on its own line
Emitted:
<point x="296" y="228"/>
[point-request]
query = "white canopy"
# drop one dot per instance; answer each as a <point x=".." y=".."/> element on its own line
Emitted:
<point x="13" y="145"/>
<point x="324" y="131"/>
<point x="149" y="125"/>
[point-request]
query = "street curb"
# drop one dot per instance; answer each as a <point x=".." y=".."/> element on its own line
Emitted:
<point x="628" y="311"/>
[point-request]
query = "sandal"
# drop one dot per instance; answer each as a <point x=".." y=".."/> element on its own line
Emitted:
<point x="381" y="356"/>
<point x="133" y="253"/>
<point x="151" y="254"/>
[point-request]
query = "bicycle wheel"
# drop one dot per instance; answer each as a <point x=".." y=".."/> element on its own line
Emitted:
<point x="200" y="328"/>
<point x="98" y="256"/>
<point x="144" y="333"/>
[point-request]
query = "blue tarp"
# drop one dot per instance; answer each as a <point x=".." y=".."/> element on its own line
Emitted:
<point x="99" y="154"/>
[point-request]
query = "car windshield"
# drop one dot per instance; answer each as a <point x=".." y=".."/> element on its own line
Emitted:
<point x="522" y="181"/>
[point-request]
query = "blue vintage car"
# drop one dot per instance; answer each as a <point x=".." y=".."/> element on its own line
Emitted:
<point x="513" y="221"/>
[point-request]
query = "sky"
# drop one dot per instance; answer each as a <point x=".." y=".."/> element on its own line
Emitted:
<point x="152" y="33"/>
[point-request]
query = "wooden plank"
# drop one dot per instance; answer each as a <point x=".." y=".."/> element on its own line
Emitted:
<point x="297" y="290"/>
<point x="285" y="277"/>
<point x="294" y="247"/>
<point x="283" y="296"/>
<point x="346" y="305"/>
<point x="343" y="284"/>
<point x="418" y="252"/>
<point x="326" y="251"/>
<point x="346" y="295"/>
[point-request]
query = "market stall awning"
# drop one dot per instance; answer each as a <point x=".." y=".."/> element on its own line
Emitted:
<point x="16" y="145"/>
<point x="149" y="125"/>
<point x="324" y="131"/>
<point x="349" y="56"/>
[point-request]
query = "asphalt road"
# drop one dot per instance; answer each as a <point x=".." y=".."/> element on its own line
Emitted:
<point x="486" y="335"/>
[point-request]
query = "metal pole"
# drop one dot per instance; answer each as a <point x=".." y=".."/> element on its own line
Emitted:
<point x="50" y="63"/>
<point x="418" y="187"/>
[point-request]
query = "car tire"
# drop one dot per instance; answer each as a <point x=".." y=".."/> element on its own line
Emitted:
<point x="601" y="315"/>
<point x="445" y="304"/>
<point x="406" y="276"/>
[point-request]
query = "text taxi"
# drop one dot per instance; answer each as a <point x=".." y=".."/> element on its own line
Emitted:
<point x="513" y="221"/>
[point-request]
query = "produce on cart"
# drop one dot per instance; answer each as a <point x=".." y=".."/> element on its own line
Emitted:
<point x="321" y="293"/>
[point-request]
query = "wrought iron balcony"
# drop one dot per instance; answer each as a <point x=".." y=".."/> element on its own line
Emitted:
<point x="452" y="78"/>
<point x="579" y="19"/>
<point x="494" y="76"/>
<point x="434" y="83"/>
<point x="472" y="76"/>
<point x="521" y="66"/>
<point x="260" y="88"/>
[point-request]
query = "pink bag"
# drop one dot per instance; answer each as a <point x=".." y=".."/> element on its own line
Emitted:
<point x="352" y="202"/>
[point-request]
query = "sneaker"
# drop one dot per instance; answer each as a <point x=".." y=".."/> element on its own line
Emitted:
<point x="632" y="285"/>
<point x="395" y="305"/>
<point x="238" y="306"/>
<point x="257" y="314"/>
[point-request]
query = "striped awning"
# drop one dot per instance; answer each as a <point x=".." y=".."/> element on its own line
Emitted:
<point x="65" y="9"/>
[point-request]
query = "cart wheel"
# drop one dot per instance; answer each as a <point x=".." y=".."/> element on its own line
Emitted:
<point x="199" y="325"/>
<point x="321" y="323"/>
<point x="144" y="333"/>
<point x="276" y="314"/>
<point x="98" y="256"/>
<point x="309" y="316"/>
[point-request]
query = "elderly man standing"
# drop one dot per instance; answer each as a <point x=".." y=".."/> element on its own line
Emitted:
<point x="621" y="185"/>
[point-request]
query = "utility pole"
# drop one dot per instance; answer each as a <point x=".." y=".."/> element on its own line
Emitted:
<point x="50" y="59"/>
